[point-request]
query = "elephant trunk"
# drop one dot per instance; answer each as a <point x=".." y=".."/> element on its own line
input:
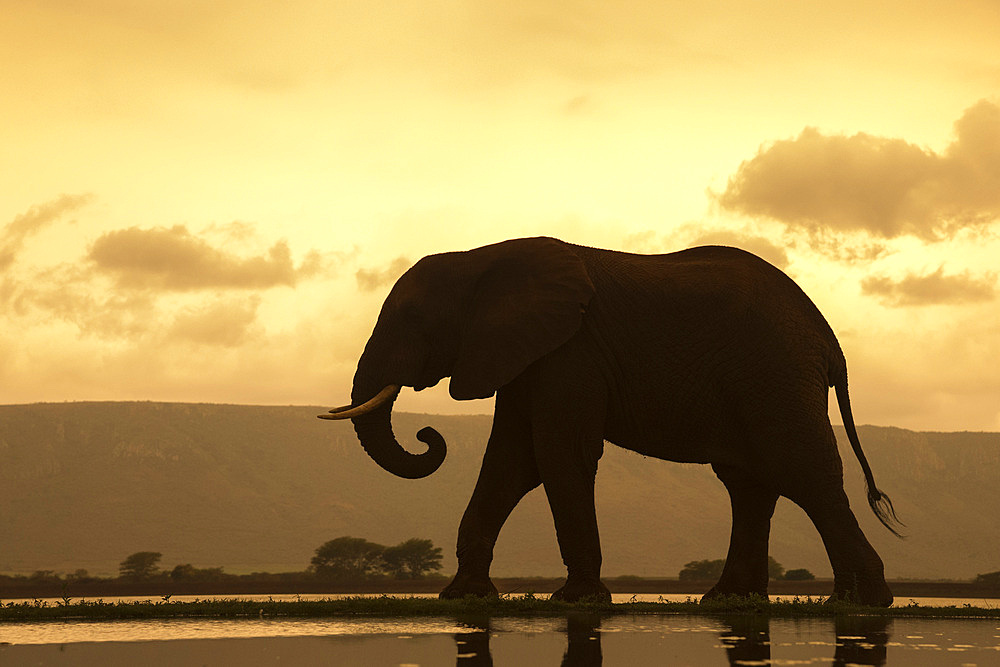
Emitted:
<point x="374" y="430"/>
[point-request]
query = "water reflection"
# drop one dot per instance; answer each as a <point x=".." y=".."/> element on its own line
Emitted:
<point x="578" y="639"/>
<point x="745" y="640"/>
<point x="473" y="649"/>
<point x="583" y="646"/>
<point x="583" y="642"/>
<point x="861" y="640"/>
<point x="474" y="646"/>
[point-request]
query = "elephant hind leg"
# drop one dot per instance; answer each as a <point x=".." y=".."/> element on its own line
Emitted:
<point x="753" y="502"/>
<point x="857" y="569"/>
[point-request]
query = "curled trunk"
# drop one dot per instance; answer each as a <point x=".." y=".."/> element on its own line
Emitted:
<point x="375" y="433"/>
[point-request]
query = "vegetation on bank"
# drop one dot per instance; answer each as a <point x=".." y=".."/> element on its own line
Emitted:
<point x="711" y="570"/>
<point x="343" y="559"/>
<point x="523" y="605"/>
<point x="358" y="566"/>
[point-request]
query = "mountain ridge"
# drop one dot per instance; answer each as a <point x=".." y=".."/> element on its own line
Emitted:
<point x="258" y="488"/>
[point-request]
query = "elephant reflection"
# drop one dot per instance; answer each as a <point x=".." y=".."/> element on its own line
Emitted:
<point x="583" y="643"/>
<point x="746" y="640"/>
<point x="707" y="355"/>
<point x="860" y="640"/>
<point x="474" y="648"/>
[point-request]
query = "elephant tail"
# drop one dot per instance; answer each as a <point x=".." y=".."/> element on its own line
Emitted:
<point x="880" y="503"/>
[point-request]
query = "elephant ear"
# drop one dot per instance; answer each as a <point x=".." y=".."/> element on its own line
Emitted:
<point x="528" y="301"/>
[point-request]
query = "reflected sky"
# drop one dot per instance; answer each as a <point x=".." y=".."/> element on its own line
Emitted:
<point x="576" y="639"/>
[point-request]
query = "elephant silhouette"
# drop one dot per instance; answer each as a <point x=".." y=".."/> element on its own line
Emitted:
<point x="708" y="355"/>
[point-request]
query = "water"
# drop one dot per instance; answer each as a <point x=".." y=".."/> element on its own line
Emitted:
<point x="578" y="639"/>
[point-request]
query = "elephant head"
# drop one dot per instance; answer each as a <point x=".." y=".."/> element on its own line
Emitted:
<point x="481" y="317"/>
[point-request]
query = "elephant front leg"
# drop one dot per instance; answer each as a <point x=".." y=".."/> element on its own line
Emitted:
<point x="507" y="474"/>
<point x="568" y="435"/>
<point x="571" y="498"/>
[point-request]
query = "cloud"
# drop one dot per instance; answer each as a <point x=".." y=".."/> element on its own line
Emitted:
<point x="69" y="293"/>
<point x="931" y="289"/>
<point x="886" y="187"/>
<point x="175" y="259"/>
<point x="34" y="220"/>
<point x="149" y="286"/>
<point x="370" y="280"/>
<point x="224" y="323"/>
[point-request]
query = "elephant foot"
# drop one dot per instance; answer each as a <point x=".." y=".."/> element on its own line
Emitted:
<point x="591" y="589"/>
<point x="870" y="594"/>
<point x="464" y="585"/>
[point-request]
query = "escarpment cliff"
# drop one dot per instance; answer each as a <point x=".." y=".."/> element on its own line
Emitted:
<point x="258" y="488"/>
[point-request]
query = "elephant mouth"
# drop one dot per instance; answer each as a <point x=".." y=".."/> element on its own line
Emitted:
<point x="387" y="395"/>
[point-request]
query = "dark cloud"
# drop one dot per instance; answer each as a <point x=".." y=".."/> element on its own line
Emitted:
<point x="931" y="289"/>
<point x="34" y="220"/>
<point x="372" y="279"/>
<point x="883" y="186"/>
<point x="175" y="259"/>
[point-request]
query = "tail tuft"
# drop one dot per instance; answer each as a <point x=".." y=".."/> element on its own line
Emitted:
<point x="883" y="509"/>
<point x="880" y="503"/>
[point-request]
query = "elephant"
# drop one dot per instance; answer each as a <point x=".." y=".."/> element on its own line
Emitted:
<point x="707" y="355"/>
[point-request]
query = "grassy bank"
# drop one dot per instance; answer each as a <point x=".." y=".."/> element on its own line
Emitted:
<point x="237" y="586"/>
<point x="386" y="607"/>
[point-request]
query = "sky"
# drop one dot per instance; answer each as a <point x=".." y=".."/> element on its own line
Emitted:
<point x="208" y="202"/>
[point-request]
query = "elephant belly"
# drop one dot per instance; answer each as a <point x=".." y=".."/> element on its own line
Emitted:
<point x="680" y="440"/>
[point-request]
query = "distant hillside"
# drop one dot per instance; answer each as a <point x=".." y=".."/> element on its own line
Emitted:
<point x="258" y="488"/>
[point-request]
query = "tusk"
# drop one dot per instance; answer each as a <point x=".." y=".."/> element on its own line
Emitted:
<point x="347" y="411"/>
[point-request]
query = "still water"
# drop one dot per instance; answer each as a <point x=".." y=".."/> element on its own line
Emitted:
<point x="577" y="639"/>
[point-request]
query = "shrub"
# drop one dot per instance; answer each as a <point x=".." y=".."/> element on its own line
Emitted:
<point x="799" y="574"/>
<point x="702" y="570"/>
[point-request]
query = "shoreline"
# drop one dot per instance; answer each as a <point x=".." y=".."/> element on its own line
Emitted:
<point x="506" y="585"/>
<point x="528" y="606"/>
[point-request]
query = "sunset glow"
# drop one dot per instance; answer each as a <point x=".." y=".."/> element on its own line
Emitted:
<point x="208" y="202"/>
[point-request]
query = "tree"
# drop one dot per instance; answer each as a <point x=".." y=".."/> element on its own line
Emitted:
<point x="702" y="570"/>
<point x="990" y="578"/>
<point x="412" y="559"/>
<point x="348" y="558"/>
<point x="799" y="574"/>
<point x="140" y="565"/>
<point x="711" y="570"/>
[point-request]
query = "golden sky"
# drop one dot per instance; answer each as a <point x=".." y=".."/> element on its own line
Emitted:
<point x="208" y="201"/>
